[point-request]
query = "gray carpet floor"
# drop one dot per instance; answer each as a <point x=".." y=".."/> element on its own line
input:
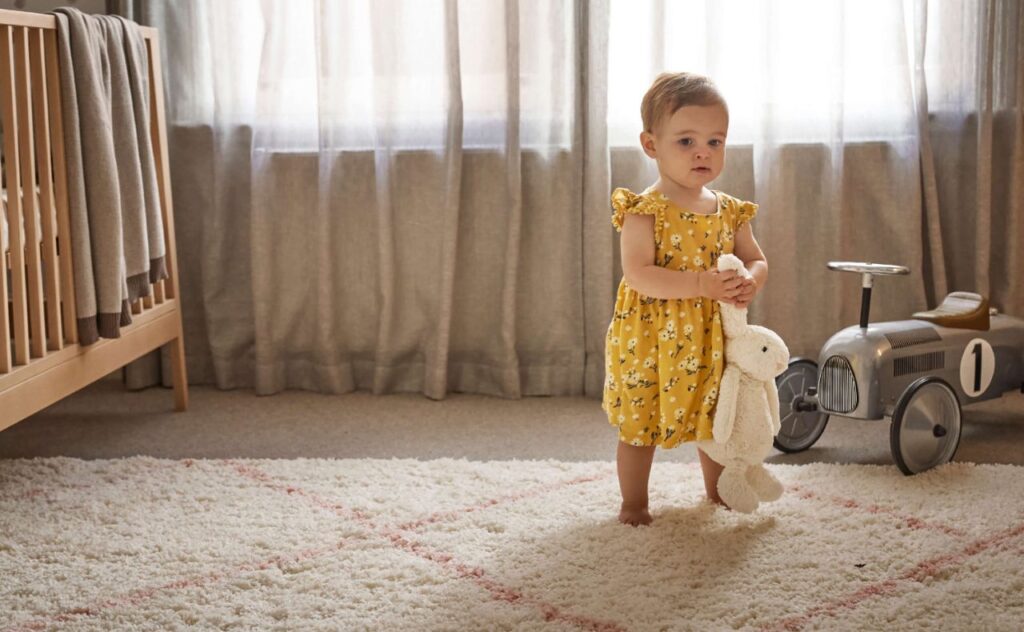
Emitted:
<point x="106" y="421"/>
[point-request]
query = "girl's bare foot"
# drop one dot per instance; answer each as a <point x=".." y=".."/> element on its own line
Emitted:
<point x="635" y="516"/>
<point x="718" y="501"/>
<point x="634" y="465"/>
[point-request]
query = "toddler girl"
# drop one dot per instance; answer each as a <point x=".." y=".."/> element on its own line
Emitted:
<point x="664" y="347"/>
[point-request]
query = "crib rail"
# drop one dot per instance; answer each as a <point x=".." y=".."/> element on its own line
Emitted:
<point x="38" y="321"/>
<point x="39" y="274"/>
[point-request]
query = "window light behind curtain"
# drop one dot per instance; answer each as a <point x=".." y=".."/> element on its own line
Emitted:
<point x="349" y="68"/>
<point x="805" y="70"/>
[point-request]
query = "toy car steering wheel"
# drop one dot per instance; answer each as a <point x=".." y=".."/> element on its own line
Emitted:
<point x="867" y="270"/>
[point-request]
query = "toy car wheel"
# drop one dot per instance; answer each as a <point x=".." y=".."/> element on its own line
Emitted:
<point x="926" y="426"/>
<point x="800" y="428"/>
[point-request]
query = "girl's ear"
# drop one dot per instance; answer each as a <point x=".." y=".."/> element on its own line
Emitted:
<point x="647" y="143"/>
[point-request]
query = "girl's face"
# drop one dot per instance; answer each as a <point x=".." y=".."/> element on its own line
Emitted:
<point x="689" y="145"/>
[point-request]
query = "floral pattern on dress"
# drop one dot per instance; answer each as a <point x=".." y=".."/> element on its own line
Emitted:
<point x="664" y="357"/>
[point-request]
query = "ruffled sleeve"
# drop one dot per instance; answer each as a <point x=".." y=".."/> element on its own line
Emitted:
<point x="625" y="201"/>
<point x="743" y="213"/>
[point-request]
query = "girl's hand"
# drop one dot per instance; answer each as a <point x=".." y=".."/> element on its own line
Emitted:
<point x="748" y="290"/>
<point x="724" y="286"/>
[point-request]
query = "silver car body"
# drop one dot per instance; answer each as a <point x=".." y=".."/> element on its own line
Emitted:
<point x="863" y="372"/>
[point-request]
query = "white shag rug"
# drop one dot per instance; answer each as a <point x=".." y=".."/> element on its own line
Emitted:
<point x="374" y="544"/>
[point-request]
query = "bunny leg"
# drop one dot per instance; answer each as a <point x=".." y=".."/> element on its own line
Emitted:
<point x="764" y="483"/>
<point x="734" y="489"/>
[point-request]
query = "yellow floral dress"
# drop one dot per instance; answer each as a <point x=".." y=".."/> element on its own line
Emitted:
<point x="663" y="357"/>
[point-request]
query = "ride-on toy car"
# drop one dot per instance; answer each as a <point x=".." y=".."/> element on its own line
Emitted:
<point x="917" y="372"/>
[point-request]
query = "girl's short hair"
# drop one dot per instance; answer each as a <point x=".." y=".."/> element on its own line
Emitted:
<point x="673" y="90"/>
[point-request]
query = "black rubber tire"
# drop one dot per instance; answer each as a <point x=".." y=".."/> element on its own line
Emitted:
<point x="792" y="446"/>
<point x="896" y="427"/>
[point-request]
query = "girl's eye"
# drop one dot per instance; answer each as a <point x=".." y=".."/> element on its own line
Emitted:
<point x="716" y="143"/>
<point x="685" y="142"/>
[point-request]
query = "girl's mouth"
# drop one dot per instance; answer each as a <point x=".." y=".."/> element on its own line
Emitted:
<point x="702" y="169"/>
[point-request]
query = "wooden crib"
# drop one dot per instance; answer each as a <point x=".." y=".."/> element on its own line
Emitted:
<point x="42" y="361"/>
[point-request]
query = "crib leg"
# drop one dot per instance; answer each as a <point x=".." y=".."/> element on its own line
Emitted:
<point x="178" y="371"/>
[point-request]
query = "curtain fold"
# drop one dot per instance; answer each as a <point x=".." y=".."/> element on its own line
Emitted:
<point x="422" y="205"/>
<point x="513" y="170"/>
<point x="594" y="171"/>
<point x="933" y="265"/>
<point x="1002" y="171"/>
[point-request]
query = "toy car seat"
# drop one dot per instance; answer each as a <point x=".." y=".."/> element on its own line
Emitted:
<point x="959" y="310"/>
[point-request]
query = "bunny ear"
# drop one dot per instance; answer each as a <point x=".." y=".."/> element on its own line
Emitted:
<point x="725" y="408"/>
<point x="731" y="262"/>
<point x="734" y="319"/>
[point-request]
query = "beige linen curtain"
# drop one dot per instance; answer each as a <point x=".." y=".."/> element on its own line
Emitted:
<point x="413" y="196"/>
<point x="973" y="152"/>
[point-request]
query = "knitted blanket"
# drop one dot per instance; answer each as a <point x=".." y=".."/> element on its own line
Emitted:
<point x="117" y="240"/>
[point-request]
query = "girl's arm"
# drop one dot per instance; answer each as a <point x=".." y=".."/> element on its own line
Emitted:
<point x="749" y="252"/>
<point x="650" y="279"/>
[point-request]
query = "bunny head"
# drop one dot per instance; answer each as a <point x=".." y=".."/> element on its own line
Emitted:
<point x="757" y="351"/>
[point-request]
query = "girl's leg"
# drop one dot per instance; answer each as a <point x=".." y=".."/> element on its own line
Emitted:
<point x="712" y="470"/>
<point x="634" y="465"/>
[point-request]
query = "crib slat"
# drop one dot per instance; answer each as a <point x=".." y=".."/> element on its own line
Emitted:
<point x="5" y="292"/>
<point x="47" y="212"/>
<point x="158" y="131"/>
<point x="158" y="291"/>
<point x="60" y="186"/>
<point x="14" y="197"/>
<point x="27" y="155"/>
<point x="5" y="325"/>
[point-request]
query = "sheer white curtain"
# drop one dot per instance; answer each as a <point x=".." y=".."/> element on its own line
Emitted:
<point x="798" y="71"/>
<point x="342" y="73"/>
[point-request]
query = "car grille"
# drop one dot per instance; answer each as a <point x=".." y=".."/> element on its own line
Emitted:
<point x="837" y="386"/>
<point x="933" y="361"/>
<point x="910" y="337"/>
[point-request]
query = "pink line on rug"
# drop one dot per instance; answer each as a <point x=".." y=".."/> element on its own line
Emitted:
<point x="848" y="503"/>
<point x="136" y="597"/>
<point x="36" y="492"/>
<point x="920" y="572"/>
<point x="497" y="590"/>
<point x="39" y="492"/>
<point x="25" y="495"/>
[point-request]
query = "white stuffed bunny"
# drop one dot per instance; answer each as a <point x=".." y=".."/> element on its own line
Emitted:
<point x="747" y="416"/>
